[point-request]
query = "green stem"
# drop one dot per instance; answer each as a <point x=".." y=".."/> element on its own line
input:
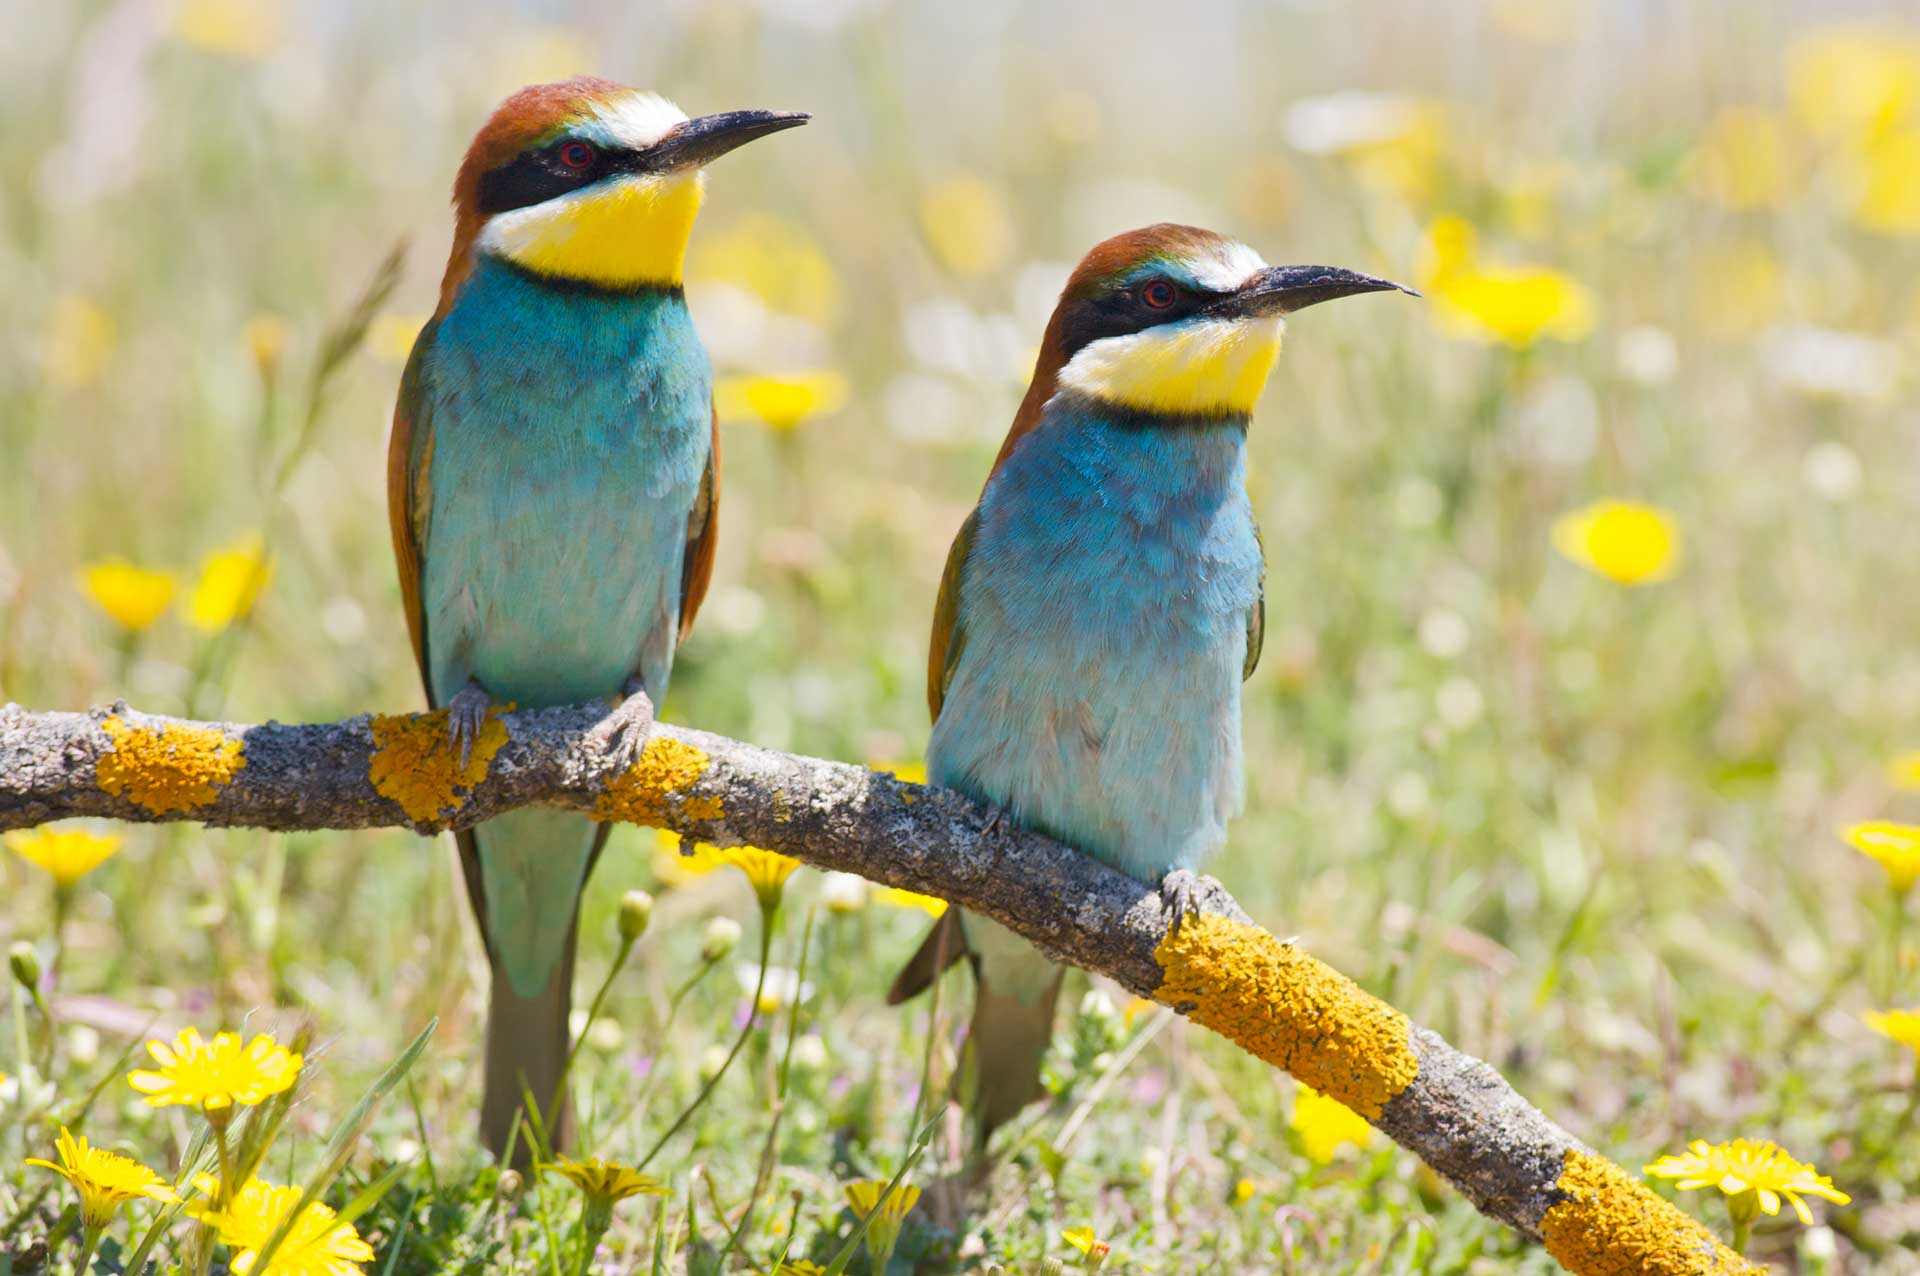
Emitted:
<point x="22" y="1053"/>
<point x="746" y="1030"/>
<point x="89" y="1240"/>
<point x="1740" y="1230"/>
<point x="666" y="1034"/>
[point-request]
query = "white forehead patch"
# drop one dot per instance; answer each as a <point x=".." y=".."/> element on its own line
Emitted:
<point x="638" y="120"/>
<point x="1224" y="265"/>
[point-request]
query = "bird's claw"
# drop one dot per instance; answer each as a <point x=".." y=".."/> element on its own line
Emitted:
<point x="1180" y="890"/>
<point x="621" y="736"/>
<point x="466" y="714"/>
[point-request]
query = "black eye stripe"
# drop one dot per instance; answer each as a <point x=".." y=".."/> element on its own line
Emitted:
<point x="1123" y="312"/>
<point x="536" y="176"/>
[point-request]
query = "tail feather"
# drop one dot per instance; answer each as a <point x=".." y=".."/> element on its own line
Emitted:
<point x="527" y="1044"/>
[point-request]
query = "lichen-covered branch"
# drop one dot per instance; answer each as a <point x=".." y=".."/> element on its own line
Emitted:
<point x="1274" y="1000"/>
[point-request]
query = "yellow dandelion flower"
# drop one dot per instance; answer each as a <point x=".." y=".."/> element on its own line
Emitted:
<point x="905" y="772"/>
<point x="766" y="871"/>
<point x="231" y="581"/>
<point x="799" y="1267"/>
<point x="609" y="1180"/>
<point x="1853" y="79"/>
<point x="266" y="335"/>
<point x="967" y="224"/>
<point x="1084" y="1240"/>
<point x="1749" y="1166"/>
<point x="1895" y="847"/>
<point x="1326" y="1125"/>
<point x="1136" y="1007"/>
<point x="1393" y="143"/>
<point x="132" y="597"/>
<point x="80" y="338"/>
<point x="104" y="1180"/>
<point x="1628" y="543"/>
<point x="1244" y="1190"/>
<point x="674" y="862"/>
<point x="318" y="1243"/>
<point x="390" y="336"/>
<point x="931" y="905"/>
<point x="246" y="30"/>
<point x="1889" y="184"/>
<point x="214" y="1076"/>
<point x="1516" y="306"/>
<point x="1902" y="1026"/>
<point x="884" y="1217"/>
<point x="1745" y="159"/>
<point x="780" y="403"/>
<point x="66" y="854"/>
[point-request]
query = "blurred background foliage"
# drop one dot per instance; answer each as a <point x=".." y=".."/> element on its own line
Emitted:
<point x="1560" y="779"/>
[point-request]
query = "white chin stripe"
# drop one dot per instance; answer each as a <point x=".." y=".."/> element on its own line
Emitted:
<point x="638" y="120"/>
<point x="1198" y="367"/>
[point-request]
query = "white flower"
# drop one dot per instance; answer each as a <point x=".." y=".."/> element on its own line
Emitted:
<point x="844" y="892"/>
<point x="721" y="937"/>
<point x="1831" y="469"/>
<point x="1444" y="633"/>
<point x="1459" y="703"/>
<point x="1825" y="363"/>
<point x="1647" y="355"/>
<point x="1348" y="121"/>
<point x="810" y="1053"/>
<point x="782" y="988"/>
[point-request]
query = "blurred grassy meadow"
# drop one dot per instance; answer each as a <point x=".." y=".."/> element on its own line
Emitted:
<point x="1564" y="780"/>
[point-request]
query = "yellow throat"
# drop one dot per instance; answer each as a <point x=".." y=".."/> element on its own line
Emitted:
<point x="618" y="234"/>
<point x="1200" y="368"/>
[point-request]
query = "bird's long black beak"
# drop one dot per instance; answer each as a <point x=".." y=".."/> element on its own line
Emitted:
<point x="706" y="138"/>
<point x="1281" y="290"/>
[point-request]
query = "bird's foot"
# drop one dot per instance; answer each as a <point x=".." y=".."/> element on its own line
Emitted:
<point x="622" y="734"/>
<point x="999" y="825"/>
<point x="466" y="714"/>
<point x="1180" y="890"/>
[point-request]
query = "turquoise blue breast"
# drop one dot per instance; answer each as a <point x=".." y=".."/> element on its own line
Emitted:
<point x="1105" y="608"/>
<point x="570" y="433"/>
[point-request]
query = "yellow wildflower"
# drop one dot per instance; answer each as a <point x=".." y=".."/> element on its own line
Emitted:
<point x="1084" y="1240"/>
<point x="1392" y="142"/>
<point x="780" y="403"/>
<point x="1749" y="1166"/>
<point x="104" y="1180"/>
<point x="1889" y="195"/>
<point x="266" y="335"/>
<point x="1244" y="1190"/>
<point x="799" y="1267"/>
<point x="1627" y="543"/>
<point x="1745" y="159"/>
<point x="318" y="1243"/>
<point x="673" y="863"/>
<point x="1904" y="770"/>
<point x="246" y="30"/>
<point x="773" y="260"/>
<point x="132" y="597"/>
<point x="66" y="854"/>
<point x="1853" y="79"/>
<point x="1326" y="1125"/>
<point x="766" y="871"/>
<point x="1902" y="1026"/>
<point x="231" y="581"/>
<point x="967" y="224"/>
<point x="213" y="1076"/>
<point x="606" y="1179"/>
<point x="884" y="1218"/>
<point x="1515" y="305"/>
<point x="390" y="336"/>
<point x="1895" y="847"/>
<point x="80" y="339"/>
<point x="931" y="905"/>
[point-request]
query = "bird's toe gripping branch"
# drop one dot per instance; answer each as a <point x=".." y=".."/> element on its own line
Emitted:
<point x="1301" y="1015"/>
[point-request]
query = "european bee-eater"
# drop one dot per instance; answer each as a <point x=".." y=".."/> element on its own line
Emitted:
<point x="1104" y="601"/>
<point x="553" y="481"/>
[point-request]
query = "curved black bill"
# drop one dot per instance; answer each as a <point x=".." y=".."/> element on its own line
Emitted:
<point x="705" y="138"/>
<point x="1281" y="290"/>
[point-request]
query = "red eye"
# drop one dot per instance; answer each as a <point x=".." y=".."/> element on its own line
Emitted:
<point x="1159" y="294"/>
<point x="576" y="155"/>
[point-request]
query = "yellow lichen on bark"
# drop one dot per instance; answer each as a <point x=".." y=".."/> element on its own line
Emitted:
<point x="1288" y="1008"/>
<point x="418" y="766"/>
<point x="1609" y="1224"/>
<point x="703" y="808"/>
<point x="639" y="794"/>
<point x="172" y="767"/>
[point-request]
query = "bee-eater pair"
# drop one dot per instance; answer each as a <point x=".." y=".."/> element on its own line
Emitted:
<point x="553" y="484"/>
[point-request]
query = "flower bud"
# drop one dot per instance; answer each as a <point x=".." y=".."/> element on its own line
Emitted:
<point x="25" y="964"/>
<point x="636" y="909"/>
<point x="509" y="1185"/>
<point x="720" y="938"/>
